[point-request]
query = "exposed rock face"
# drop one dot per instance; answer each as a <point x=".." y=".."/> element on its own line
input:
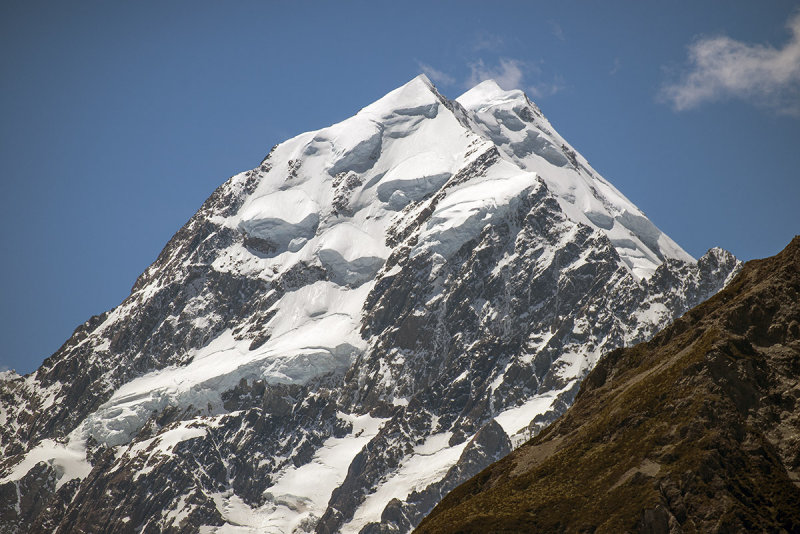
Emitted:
<point x="340" y="336"/>
<point x="697" y="430"/>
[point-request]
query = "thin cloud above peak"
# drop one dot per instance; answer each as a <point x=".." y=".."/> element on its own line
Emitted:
<point x="721" y="67"/>
<point x="556" y="30"/>
<point x="487" y="41"/>
<point x="544" y="89"/>
<point x="439" y="77"/>
<point x="615" y="67"/>
<point x="508" y="73"/>
<point x="512" y="73"/>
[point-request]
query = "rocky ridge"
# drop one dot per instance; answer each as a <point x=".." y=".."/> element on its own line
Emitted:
<point x="696" y="430"/>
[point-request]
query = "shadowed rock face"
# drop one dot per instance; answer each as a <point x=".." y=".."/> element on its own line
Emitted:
<point x="697" y="430"/>
<point x="383" y="307"/>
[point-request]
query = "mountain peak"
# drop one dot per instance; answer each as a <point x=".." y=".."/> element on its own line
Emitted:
<point x="489" y="85"/>
<point x="416" y="93"/>
<point x="381" y="307"/>
<point x="488" y="93"/>
<point x="421" y="77"/>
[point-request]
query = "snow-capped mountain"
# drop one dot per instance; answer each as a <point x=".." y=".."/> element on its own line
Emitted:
<point x="343" y="334"/>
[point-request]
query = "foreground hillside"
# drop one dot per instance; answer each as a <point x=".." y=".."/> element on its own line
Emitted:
<point x="697" y="430"/>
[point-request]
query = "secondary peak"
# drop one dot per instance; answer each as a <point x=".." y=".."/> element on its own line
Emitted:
<point x="488" y="92"/>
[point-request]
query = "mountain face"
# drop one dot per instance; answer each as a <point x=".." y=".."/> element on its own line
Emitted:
<point x="342" y="335"/>
<point x="697" y="430"/>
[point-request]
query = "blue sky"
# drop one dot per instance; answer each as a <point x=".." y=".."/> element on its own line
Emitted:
<point x="118" y="120"/>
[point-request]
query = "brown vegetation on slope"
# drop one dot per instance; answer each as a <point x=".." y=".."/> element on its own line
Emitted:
<point x="697" y="430"/>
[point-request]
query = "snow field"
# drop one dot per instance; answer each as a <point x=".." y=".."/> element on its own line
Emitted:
<point x="68" y="459"/>
<point x="429" y="462"/>
<point x="301" y="493"/>
<point x="526" y="138"/>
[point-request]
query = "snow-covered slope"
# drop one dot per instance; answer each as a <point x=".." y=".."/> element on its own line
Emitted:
<point x="340" y="336"/>
<point x="525" y="136"/>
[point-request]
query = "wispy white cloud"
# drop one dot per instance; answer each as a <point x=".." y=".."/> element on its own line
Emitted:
<point x="439" y="77"/>
<point x="615" y="67"/>
<point x="508" y="73"/>
<point x="512" y="73"/>
<point x="487" y="41"/>
<point x="544" y="89"/>
<point x="721" y="67"/>
<point x="556" y="30"/>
